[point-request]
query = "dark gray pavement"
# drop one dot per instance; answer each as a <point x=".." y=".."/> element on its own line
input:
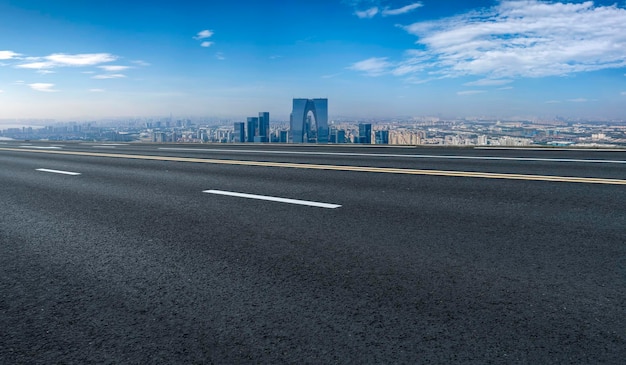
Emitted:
<point x="130" y="262"/>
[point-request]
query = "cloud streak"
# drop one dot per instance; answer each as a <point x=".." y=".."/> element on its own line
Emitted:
<point x="108" y="76"/>
<point x="114" y="68"/>
<point x="489" y="82"/>
<point x="516" y="39"/>
<point x="67" y="60"/>
<point x="367" y="14"/>
<point x="403" y="10"/>
<point x="470" y="92"/>
<point x="7" y="55"/>
<point x="42" y="87"/>
<point x="203" y="34"/>
<point x="375" y="66"/>
<point x="386" y="11"/>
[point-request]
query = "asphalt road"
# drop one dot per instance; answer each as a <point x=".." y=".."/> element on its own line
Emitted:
<point x="136" y="259"/>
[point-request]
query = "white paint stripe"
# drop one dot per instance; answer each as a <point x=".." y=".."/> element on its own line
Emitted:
<point x="444" y="157"/>
<point x="42" y="147"/>
<point x="580" y="149"/>
<point x="274" y="199"/>
<point x="104" y="146"/>
<point x="60" y="172"/>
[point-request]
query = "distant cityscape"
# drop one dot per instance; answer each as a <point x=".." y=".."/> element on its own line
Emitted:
<point x="309" y="123"/>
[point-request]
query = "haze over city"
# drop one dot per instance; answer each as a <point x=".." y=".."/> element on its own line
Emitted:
<point x="372" y="58"/>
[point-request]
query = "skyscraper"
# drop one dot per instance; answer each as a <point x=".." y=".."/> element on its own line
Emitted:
<point x="365" y="133"/>
<point x="240" y="132"/>
<point x="253" y="125"/>
<point x="382" y="137"/>
<point x="264" y="127"/>
<point x="301" y="130"/>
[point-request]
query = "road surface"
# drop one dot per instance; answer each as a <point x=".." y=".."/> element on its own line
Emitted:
<point x="164" y="253"/>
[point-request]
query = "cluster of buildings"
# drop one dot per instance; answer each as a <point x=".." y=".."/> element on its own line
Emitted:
<point x="309" y="123"/>
<point x="258" y="129"/>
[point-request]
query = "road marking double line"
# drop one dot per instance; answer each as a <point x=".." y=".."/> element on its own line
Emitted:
<point x="387" y="170"/>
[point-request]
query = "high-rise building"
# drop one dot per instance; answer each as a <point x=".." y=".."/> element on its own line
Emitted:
<point x="283" y="137"/>
<point x="301" y="130"/>
<point x="240" y="132"/>
<point x="365" y="133"/>
<point x="253" y="125"/>
<point x="341" y="136"/>
<point x="381" y="137"/>
<point x="264" y="127"/>
<point x="258" y="128"/>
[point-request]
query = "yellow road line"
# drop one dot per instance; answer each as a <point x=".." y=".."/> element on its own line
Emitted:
<point x="387" y="170"/>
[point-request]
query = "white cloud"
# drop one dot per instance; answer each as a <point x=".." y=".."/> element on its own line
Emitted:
<point x="578" y="100"/>
<point x="140" y="63"/>
<point x="45" y="72"/>
<point x="7" y="55"/>
<point x="522" y="38"/>
<point x="96" y="90"/>
<point x="86" y="59"/>
<point x="203" y="34"/>
<point x="1" y="91"/>
<point x="417" y="81"/>
<point x="403" y="10"/>
<point x="470" y="92"/>
<point x="374" y="66"/>
<point x="367" y="14"/>
<point x="36" y="65"/>
<point x="108" y="76"/>
<point x="67" y="60"/>
<point x="488" y="82"/>
<point x="506" y="88"/>
<point x="42" y="87"/>
<point x="114" y="68"/>
<point x="220" y="56"/>
<point x="623" y="93"/>
<point x="553" y="102"/>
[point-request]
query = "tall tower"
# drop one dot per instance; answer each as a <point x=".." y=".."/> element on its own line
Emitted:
<point x="365" y="133"/>
<point x="264" y="127"/>
<point x="253" y="125"/>
<point x="300" y="130"/>
<point x="240" y="133"/>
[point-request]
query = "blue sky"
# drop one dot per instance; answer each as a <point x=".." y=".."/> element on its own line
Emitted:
<point x="67" y="59"/>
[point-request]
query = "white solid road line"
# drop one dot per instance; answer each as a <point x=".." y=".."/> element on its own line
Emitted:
<point x="444" y="157"/>
<point x="274" y="199"/>
<point x="60" y="172"/>
<point x="42" y="147"/>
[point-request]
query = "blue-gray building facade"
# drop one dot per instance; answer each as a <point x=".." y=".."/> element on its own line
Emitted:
<point x="263" y="132"/>
<point x="253" y="127"/>
<point x="365" y="133"/>
<point x="300" y="126"/>
<point x="240" y="132"/>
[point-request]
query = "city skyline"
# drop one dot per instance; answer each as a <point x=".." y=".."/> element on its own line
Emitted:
<point x="373" y="58"/>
